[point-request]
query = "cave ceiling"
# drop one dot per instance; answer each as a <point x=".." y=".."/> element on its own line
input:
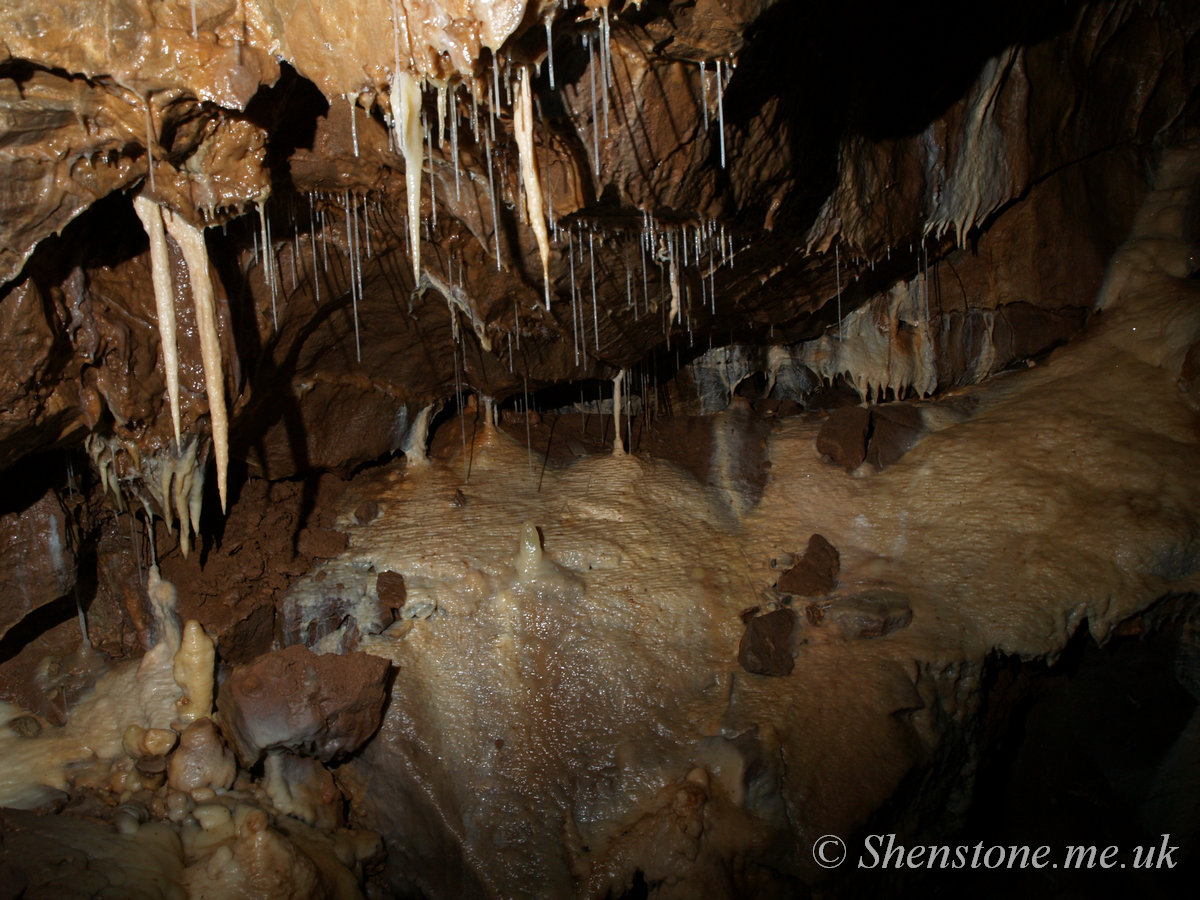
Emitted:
<point x="712" y="174"/>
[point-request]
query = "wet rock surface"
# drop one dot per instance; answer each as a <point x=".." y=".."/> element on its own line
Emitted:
<point x="815" y="573"/>
<point x="766" y="647"/>
<point x="293" y="699"/>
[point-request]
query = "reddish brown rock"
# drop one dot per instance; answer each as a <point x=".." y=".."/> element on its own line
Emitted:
<point x="321" y="543"/>
<point x="843" y="438"/>
<point x="766" y="647"/>
<point x="895" y="429"/>
<point x="816" y="572"/>
<point x="391" y="590"/>
<point x="321" y="706"/>
<point x="37" y="565"/>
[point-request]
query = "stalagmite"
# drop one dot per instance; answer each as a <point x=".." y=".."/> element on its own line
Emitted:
<point x="195" y="254"/>
<point x="618" y="446"/>
<point x="164" y="298"/>
<point x="523" y="114"/>
<point x="406" y="112"/>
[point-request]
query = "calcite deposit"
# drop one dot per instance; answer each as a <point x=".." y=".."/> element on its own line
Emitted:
<point x="510" y="449"/>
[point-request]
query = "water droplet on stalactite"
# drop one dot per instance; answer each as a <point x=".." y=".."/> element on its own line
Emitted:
<point x="406" y="110"/>
<point x="550" y="51"/>
<point x="523" y="116"/>
<point x="195" y="256"/>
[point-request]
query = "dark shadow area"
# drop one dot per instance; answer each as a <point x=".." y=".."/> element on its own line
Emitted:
<point x="1100" y="750"/>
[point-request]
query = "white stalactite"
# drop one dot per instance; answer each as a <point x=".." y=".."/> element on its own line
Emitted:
<point x="406" y="120"/>
<point x="191" y="241"/>
<point x="523" y="114"/>
<point x="164" y="299"/>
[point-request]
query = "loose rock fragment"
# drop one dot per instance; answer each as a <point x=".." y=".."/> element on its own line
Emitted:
<point x="392" y="591"/>
<point x="872" y="615"/>
<point x="843" y="438"/>
<point x="816" y="572"/>
<point x="895" y="429"/>
<point x="322" y="706"/>
<point x="766" y="645"/>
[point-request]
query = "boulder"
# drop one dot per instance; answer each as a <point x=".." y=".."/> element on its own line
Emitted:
<point x="843" y="437"/>
<point x="292" y="699"/>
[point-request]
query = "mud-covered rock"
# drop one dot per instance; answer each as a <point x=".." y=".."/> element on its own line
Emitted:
<point x="766" y="647"/>
<point x="816" y="572"/>
<point x="843" y="437"/>
<point x="37" y="565"/>
<point x="321" y="706"/>
<point x="895" y="429"/>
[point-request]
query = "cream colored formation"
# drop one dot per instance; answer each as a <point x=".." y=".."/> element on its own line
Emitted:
<point x="195" y="828"/>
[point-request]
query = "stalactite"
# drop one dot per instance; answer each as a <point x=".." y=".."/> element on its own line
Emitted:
<point x="406" y="111"/>
<point x="523" y="115"/>
<point x="195" y="254"/>
<point x="164" y="299"/>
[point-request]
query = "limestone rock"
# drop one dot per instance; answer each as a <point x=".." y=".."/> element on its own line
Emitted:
<point x="766" y="645"/>
<point x="321" y="706"/>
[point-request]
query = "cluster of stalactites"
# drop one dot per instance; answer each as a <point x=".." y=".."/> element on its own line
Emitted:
<point x="168" y="482"/>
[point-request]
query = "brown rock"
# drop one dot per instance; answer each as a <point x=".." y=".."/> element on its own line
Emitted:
<point x="873" y="615"/>
<point x="392" y="592"/>
<point x="37" y="565"/>
<point x="366" y="512"/>
<point x="843" y="438"/>
<point x="321" y="543"/>
<point x="816" y="572"/>
<point x="895" y="429"/>
<point x="766" y="646"/>
<point x="321" y="706"/>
